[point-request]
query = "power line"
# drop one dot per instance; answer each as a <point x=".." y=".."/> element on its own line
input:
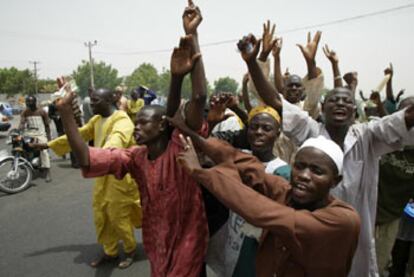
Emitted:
<point x="350" y="18"/>
<point x="333" y="22"/>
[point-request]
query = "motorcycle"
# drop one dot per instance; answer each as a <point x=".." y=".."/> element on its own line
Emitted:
<point x="18" y="169"/>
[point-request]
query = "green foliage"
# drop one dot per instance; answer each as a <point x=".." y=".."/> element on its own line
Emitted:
<point x="186" y="87"/>
<point x="14" y="81"/>
<point x="225" y="84"/>
<point x="47" y="86"/>
<point x="145" y="75"/>
<point x="164" y="79"/>
<point x="104" y="76"/>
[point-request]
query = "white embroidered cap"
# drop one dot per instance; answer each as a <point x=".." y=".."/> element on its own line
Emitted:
<point x="329" y="147"/>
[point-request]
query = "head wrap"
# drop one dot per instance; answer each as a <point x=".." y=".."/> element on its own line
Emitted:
<point x="329" y="147"/>
<point x="264" y="109"/>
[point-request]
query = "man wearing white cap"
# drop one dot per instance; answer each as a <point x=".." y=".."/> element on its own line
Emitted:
<point x="306" y="231"/>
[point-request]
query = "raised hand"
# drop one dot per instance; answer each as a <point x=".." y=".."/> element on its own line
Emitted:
<point x="309" y="50"/>
<point x="375" y="97"/>
<point x="183" y="57"/>
<point x="232" y="101"/>
<point x="64" y="103"/>
<point x="249" y="47"/>
<point x="267" y="40"/>
<point x="399" y="95"/>
<point x="389" y="70"/>
<point x="60" y="81"/>
<point x="351" y="78"/>
<point x="277" y="47"/>
<point x="218" y="105"/>
<point x="361" y="94"/>
<point x="330" y="54"/>
<point x="191" y="18"/>
<point x="188" y="157"/>
<point x="287" y="73"/>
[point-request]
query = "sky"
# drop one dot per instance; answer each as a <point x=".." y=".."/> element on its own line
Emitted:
<point x="53" y="32"/>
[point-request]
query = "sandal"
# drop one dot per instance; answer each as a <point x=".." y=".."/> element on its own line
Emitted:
<point x="127" y="262"/>
<point x="103" y="259"/>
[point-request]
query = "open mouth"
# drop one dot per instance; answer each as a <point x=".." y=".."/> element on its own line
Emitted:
<point x="258" y="142"/>
<point x="137" y="136"/>
<point x="299" y="190"/>
<point x="340" y="112"/>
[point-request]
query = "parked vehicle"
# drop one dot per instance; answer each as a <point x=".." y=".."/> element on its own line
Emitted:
<point x="6" y="109"/>
<point x="18" y="169"/>
<point x="4" y="123"/>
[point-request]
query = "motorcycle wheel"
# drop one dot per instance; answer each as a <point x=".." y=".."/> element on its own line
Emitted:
<point x="14" y="183"/>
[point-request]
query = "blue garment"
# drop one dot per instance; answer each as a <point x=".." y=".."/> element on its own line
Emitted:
<point x="149" y="96"/>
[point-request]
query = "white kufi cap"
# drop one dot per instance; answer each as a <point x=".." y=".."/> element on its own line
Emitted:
<point x="329" y="147"/>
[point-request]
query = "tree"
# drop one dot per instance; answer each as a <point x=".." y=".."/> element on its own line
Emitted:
<point x="164" y="82"/>
<point x="145" y="75"/>
<point x="14" y="81"/>
<point x="104" y="77"/>
<point x="47" y="86"/>
<point x="225" y="84"/>
<point x="186" y="89"/>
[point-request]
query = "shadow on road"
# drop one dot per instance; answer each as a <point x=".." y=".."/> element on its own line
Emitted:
<point x="87" y="253"/>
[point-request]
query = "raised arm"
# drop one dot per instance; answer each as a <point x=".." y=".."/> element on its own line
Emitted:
<point x="401" y="93"/>
<point x="182" y="62"/>
<point x="309" y="53"/>
<point x="233" y="104"/>
<point x="361" y="94"/>
<point x="216" y="113"/>
<point x="194" y="111"/>
<point x="351" y="80"/>
<point x="277" y="69"/>
<point x="333" y="58"/>
<point x="267" y="41"/>
<point x="390" y="94"/>
<point x="376" y="98"/>
<point x="245" y="93"/>
<point x="249" y="48"/>
<point x="78" y="146"/>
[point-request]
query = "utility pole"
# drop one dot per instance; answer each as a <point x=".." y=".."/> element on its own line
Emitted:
<point x="90" y="45"/>
<point x="35" y="63"/>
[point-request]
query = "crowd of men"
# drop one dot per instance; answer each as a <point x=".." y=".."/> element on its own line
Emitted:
<point x="289" y="179"/>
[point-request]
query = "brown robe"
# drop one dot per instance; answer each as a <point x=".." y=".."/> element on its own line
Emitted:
<point x="294" y="242"/>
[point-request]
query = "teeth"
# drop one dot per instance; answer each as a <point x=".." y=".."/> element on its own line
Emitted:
<point x="301" y="187"/>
